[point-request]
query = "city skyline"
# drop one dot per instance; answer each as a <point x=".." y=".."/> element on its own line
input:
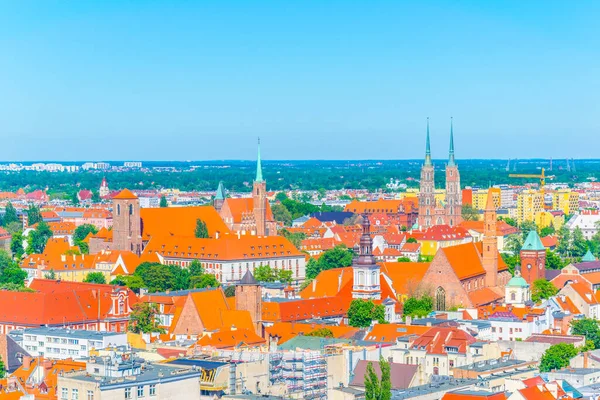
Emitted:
<point x="155" y="81"/>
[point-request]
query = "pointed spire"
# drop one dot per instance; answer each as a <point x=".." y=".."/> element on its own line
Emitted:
<point x="427" y="147"/>
<point x="259" y="176"/>
<point x="451" y="156"/>
<point x="489" y="205"/>
<point x="220" y="192"/>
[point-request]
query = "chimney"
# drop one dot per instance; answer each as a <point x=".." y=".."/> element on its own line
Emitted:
<point x="94" y="294"/>
<point x="26" y="362"/>
<point x="63" y="257"/>
<point x="217" y="234"/>
<point x="314" y="284"/>
<point x="408" y="320"/>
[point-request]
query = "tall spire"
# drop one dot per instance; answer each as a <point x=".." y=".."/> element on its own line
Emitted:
<point x="451" y="157"/>
<point x="427" y="147"/>
<point x="259" y="176"/>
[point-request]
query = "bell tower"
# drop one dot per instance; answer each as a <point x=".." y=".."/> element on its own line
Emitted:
<point x="533" y="258"/>
<point x="127" y="224"/>
<point x="259" y="198"/>
<point x="427" y="189"/>
<point x="365" y="268"/>
<point x="453" y="192"/>
<point x="490" y="244"/>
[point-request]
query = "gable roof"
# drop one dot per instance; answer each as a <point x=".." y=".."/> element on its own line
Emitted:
<point x="180" y="221"/>
<point x="125" y="194"/>
<point x="401" y="374"/>
<point x="239" y="206"/>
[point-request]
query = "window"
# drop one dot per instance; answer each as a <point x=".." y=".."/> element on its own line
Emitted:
<point x="140" y="391"/>
<point x="152" y="390"/>
<point x="128" y="393"/>
<point x="64" y="394"/>
<point x="75" y="394"/>
<point x="90" y="395"/>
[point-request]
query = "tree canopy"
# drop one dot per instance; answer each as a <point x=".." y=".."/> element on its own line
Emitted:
<point x="418" y="306"/>
<point x="337" y="257"/>
<point x="542" y="289"/>
<point x="587" y="327"/>
<point x="362" y="312"/>
<point x="143" y="319"/>
<point x="376" y="388"/>
<point x="557" y="356"/>
<point x="10" y="215"/>
<point x="81" y="232"/>
<point x="95" y="277"/>
<point x="201" y="231"/>
<point x="469" y="213"/>
<point x="33" y="215"/>
<point x="163" y="202"/>
<point x="10" y="272"/>
<point x="37" y="238"/>
<point x="264" y="273"/>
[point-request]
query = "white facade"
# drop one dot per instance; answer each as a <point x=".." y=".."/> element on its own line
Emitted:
<point x="132" y="164"/>
<point x="587" y="222"/>
<point x="510" y="329"/>
<point x="59" y="343"/>
<point x="149" y="202"/>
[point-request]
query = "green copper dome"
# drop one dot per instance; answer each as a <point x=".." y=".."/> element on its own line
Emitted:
<point x="517" y="281"/>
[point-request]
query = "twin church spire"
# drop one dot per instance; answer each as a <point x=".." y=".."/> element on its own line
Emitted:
<point x="451" y="160"/>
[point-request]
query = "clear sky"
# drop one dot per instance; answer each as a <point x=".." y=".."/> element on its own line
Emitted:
<point x="179" y="80"/>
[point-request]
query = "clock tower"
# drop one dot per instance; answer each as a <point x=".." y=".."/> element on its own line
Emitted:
<point x="533" y="258"/>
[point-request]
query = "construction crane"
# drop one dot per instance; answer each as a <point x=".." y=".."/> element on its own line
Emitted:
<point x="542" y="177"/>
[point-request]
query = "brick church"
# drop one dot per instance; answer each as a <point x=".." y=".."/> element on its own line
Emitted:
<point x="432" y="212"/>
<point x="248" y="215"/>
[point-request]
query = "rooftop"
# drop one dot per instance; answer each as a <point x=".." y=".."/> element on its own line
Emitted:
<point x="72" y="333"/>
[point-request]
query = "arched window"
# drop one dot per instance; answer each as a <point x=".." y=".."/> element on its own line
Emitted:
<point x="440" y="299"/>
<point x="131" y="209"/>
<point x="361" y="278"/>
<point x="513" y="296"/>
<point x="118" y="209"/>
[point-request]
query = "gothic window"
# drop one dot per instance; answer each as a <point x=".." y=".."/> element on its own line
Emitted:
<point x="427" y="201"/>
<point x="118" y="209"/>
<point x="440" y="299"/>
<point x="131" y="209"/>
<point x="513" y="296"/>
<point x="451" y="173"/>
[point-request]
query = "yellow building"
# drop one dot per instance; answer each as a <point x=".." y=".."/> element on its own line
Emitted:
<point x="440" y="196"/>
<point x="565" y="200"/>
<point x="480" y="198"/>
<point x="529" y="203"/>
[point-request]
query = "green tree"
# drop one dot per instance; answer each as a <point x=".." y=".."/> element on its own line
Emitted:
<point x="15" y="287"/>
<point x="264" y="273"/>
<point x="229" y="291"/>
<point x="143" y="319"/>
<point x="75" y="199"/>
<point x="2" y="369"/>
<point x="33" y="215"/>
<point x="281" y="196"/>
<point x="156" y="277"/>
<point x="295" y="238"/>
<point x="133" y="282"/>
<point x="528" y="226"/>
<point x="386" y="380"/>
<point x="50" y="274"/>
<point x="509" y="221"/>
<point x="281" y="214"/>
<point x="514" y="243"/>
<point x="469" y="213"/>
<point x="37" y="238"/>
<point x="96" y="197"/>
<point x="376" y="388"/>
<point x="553" y="260"/>
<point x="372" y="384"/>
<point x="542" y="289"/>
<point x="196" y="268"/>
<point x="16" y="245"/>
<point x="321" y="332"/>
<point x="204" y="281"/>
<point x="81" y="232"/>
<point x="403" y="259"/>
<point x="95" y="277"/>
<point x="163" y="202"/>
<point x="578" y="243"/>
<point x="557" y="356"/>
<point x="10" y="215"/>
<point x="13" y="274"/>
<point x="564" y="241"/>
<point x="14" y="227"/>
<point x="418" y="306"/>
<point x="411" y="240"/>
<point x="201" y="229"/>
<point x="511" y="260"/>
<point x="337" y="257"/>
<point x="587" y="327"/>
<point x="362" y="312"/>
<point x="547" y="231"/>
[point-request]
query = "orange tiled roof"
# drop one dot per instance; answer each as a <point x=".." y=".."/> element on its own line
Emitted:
<point x="330" y="283"/>
<point x="240" y="206"/>
<point x="466" y="260"/>
<point x="125" y="194"/>
<point x="227" y="247"/>
<point x="180" y="221"/>
<point x="437" y="340"/>
<point x="405" y="277"/>
<point x="484" y="296"/>
<point x="229" y="338"/>
<point x="302" y="309"/>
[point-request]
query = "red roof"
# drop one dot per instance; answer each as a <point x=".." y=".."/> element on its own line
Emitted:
<point x="125" y="194"/>
<point x="438" y="340"/>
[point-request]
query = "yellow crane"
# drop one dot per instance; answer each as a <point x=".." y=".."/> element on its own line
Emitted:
<point x="541" y="177"/>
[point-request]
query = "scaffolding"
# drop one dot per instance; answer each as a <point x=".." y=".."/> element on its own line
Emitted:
<point x="305" y="374"/>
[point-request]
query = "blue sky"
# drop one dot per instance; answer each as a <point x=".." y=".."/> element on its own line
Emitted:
<point x="178" y="80"/>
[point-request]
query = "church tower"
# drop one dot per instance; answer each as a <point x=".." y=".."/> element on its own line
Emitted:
<point x="490" y="243"/>
<point x="259" y="198"/>
<point x="427" y="189"/>
<point x="219" y="197"/>
<point x="365" y="268"/>
<point x="533" y="258"/>
<point x="104" y="191"/>
<point x="453" y="192"/>
<point x="248" y="297"/>
<point x="127" y="224"/>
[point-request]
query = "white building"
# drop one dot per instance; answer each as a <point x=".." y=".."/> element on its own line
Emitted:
<point x="61" y="343"/>
<point x="587" y="221"/>
<point x="149" y="202"/>
<point x="506" y="326"/>
<point x="132" y="164"/>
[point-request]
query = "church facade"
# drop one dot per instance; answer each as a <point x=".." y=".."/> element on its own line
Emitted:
<point x="432" y="212"/>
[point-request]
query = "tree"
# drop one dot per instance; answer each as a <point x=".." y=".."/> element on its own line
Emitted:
<point x="281" y="214"/>
<point x="163" y="202"/>
<point x="587" y="327"/>
<point x="133" y="282"/>
<point x="362" y="312"/>
<point x="509" y="221"/>
<point x="295" y="238"/>
<point x="2" y="369"/>
<point x="201" y="229"/>
<point x="33" y="215"/>
<point x="16" y="245"/>
<point x="528" y="226"/>
<point x="411" y="240"/>
<point x="578" y="243"/>
<point x="281" y="196"/>
<point x="196" y="268"/>
<point x="514" y="243"/>
<point x="10" y="215"/>
<point x="542" y="289"/>
<point x="229" y="291"/>
<point x="143" y="319"/>
<point x="96" y="197"/>
<point x="511" y="260"/>
<point x="38" y="238"/>
<point x="95" y="277"/>
<point x="337" y="257"/>
<point x="564" y="241"/>
<point x="418" y="306"/>
<point x="375" y="388"/>
<point x="557" y="356"/>
<point x="156" y="277"/>
<point x="75" y="199"/>
<point x="204" y="281"/>
<point x="403" y="259"/>
<point x="14" y="287"/>
<point x="50" y="275"/>
<point x="553" y="260"/>
<point x="547" y="231"/>
<point x="321" y="332"/>
<point x="469" y="213"/>
<point x="81" y="232"/>
<point x="13" y="274"/>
